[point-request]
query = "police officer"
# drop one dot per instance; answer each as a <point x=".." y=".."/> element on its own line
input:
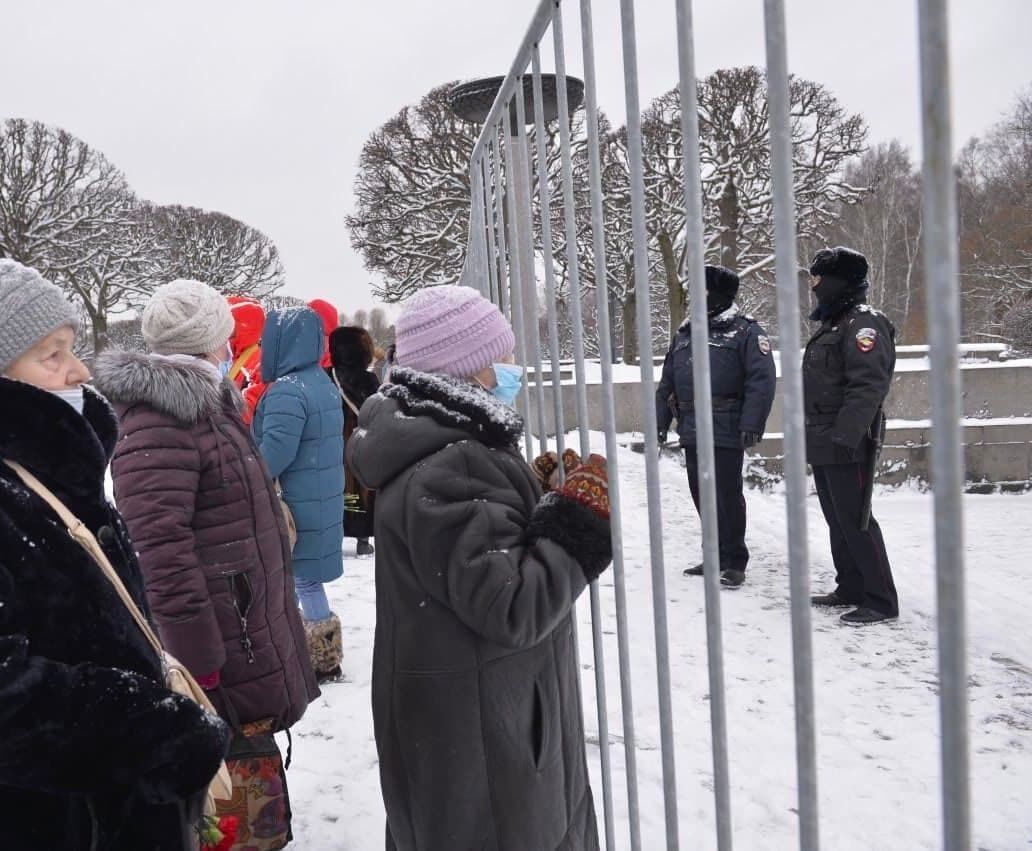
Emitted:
<point x="847" y="371"/>
<point x="742" y="378"/>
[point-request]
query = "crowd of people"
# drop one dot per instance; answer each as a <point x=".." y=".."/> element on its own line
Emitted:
<point x="243" y="447"/>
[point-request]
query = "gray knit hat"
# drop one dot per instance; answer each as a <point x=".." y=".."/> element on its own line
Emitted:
<point x="30" y="309"/>
<point x="186" y="318"/>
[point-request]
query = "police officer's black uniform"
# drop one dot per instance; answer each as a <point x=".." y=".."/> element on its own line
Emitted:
<point x="742" y="378"/>
<point x="847" y="372"/>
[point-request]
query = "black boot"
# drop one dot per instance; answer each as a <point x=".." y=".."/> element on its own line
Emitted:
<point x="732" y="578"/>
<point x="694" y="571"/>
<point x="364" y="548"/>
<point x="865" y="617"/>
<point x="832" y="600"/>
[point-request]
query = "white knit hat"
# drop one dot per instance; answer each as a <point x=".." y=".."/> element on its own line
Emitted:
<point x="186" y="318"/>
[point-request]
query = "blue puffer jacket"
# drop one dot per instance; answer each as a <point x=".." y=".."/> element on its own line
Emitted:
<point x="299" y="428"/>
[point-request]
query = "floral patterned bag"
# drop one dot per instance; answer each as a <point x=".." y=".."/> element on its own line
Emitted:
<point x="260" y="801"/>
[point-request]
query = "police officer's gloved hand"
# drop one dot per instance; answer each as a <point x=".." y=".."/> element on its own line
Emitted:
<point x="749" y="439"/>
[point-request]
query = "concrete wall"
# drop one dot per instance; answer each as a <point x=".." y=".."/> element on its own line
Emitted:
<point x="990" y="390"/>
<point x="995" y="452"/>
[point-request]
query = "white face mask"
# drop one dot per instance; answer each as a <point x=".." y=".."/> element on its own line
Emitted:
<point x="74" y="396"/>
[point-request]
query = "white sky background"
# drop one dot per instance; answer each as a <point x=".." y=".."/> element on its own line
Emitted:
<point x="259" y="109"/>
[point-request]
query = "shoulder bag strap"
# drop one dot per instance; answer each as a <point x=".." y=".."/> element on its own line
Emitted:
<point x="85" y="538"/>
<point x="344" y="395"/>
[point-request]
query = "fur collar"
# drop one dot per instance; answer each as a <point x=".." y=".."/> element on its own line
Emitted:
<point x="185" y="389"/>
<point x="69" y="451"/>
<point x="719" y="322"/>
<point x="455" y="403"/>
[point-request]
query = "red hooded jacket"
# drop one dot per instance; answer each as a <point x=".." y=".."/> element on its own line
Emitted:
<point x="331" y="322"/>
<point x="247" y="354"/>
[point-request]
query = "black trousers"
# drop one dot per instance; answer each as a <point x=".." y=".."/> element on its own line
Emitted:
<point x="734" y="555"/>
<point x="862" y="569"/>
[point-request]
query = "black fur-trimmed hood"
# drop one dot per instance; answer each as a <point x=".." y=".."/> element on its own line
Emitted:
<point x="187" y="390"/>
<point x="45" y="434"/>
<point x="418" y="414"/>
<point x="452" y="402"/>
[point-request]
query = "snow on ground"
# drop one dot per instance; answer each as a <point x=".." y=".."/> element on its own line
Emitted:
<point x="877" y="710"/>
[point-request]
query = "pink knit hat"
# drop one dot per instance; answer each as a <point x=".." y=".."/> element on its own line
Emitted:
<point x="451" y="330"/>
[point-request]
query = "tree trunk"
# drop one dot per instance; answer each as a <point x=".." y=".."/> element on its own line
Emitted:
<point x="675" y="289"/>
<point x="100" y="332"/>
<point x="630" y="320"/>
<point x="728" y="208"/>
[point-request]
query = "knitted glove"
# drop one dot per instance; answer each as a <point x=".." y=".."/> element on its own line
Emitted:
<point x="589" y="485"/>
<point x="546" y="468"/>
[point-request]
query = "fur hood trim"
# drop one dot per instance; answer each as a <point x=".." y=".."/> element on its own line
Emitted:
<point x="455" y="403"/>
<point x="185" y="389"/>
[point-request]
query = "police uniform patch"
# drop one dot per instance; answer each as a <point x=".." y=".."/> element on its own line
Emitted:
<point x="865" y="339"/>
<point x="764" y="343"/>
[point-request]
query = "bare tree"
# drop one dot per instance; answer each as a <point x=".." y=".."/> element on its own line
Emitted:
<point x="413" y="197"/>
<point x="69" y="213"/>
<point x="221" y="251"/>
<point x="995" y="206"/>
<point x="736" y="176"/>
<point x="886" y="225"/>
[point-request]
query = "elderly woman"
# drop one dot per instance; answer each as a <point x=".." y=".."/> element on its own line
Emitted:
<point x="203" y="511"/>
<point x="476" y="701"/>
<point x="95" y="752"/>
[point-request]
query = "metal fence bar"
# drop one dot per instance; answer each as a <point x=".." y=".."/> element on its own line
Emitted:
<point x="570" y="227"/>
<point x="531" y="315"/>
<point x="704" y="420"/>
<point x="499" y="194"/>
<point x="548" y="257"/>
<point x="605" y="344"/>
<point x="489" y="209"/>
<point x="943" y="306"/>
<point x="581" y="386"/>
<point x="648" y="393"/>
<point x="516" y="274"/>
<point x="789" y="345"/>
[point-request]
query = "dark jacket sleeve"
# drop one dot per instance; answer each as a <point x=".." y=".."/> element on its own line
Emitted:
<point x="468" y="536"/>
<point x="664" y="414"/>
<point x="68" y="729"/>
<point x="760" y="381"/>
<point x="868" y="378"/>
<point x="156" y="473"/>
<point x="283" y="414"/>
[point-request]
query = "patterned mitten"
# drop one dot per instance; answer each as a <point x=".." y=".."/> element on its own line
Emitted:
<point x="544" y="467"/>
<point x="589" y="485"/>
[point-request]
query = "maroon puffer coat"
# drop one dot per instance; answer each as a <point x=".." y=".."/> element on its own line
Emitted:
<point x="203" y="514"/>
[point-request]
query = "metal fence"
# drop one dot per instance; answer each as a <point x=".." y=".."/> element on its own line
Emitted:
<point x="502" y="262"/>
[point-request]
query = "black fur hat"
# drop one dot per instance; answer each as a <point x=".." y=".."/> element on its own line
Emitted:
<point x="721" y="281"/>
<point x="840" y="262"/>
<point x="351" y="347"/>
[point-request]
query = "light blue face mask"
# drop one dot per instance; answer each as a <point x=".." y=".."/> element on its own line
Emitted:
<point x="74" y="396"/>
<point x="226" y="365"/>
<point x="509" y="378"/>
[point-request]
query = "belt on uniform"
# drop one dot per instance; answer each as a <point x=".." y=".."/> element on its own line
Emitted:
<point x="720" y="403"/>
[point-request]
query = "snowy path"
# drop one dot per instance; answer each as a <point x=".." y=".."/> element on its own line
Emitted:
<point x="877" y="711"/>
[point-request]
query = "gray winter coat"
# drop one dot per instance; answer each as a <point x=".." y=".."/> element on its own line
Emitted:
<point x="475" y="693"/>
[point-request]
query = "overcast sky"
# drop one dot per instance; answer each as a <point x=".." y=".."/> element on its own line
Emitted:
<point x="259" y="109"/>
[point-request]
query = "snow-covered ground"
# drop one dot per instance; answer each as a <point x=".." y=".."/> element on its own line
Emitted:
<point x="877" y="710"/>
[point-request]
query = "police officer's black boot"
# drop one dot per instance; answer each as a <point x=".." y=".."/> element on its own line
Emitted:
<point x="832" y="600"/>
<point x="694" y="571"/>
<point x="732" y="578"/>
<point x="865" y="617"/>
